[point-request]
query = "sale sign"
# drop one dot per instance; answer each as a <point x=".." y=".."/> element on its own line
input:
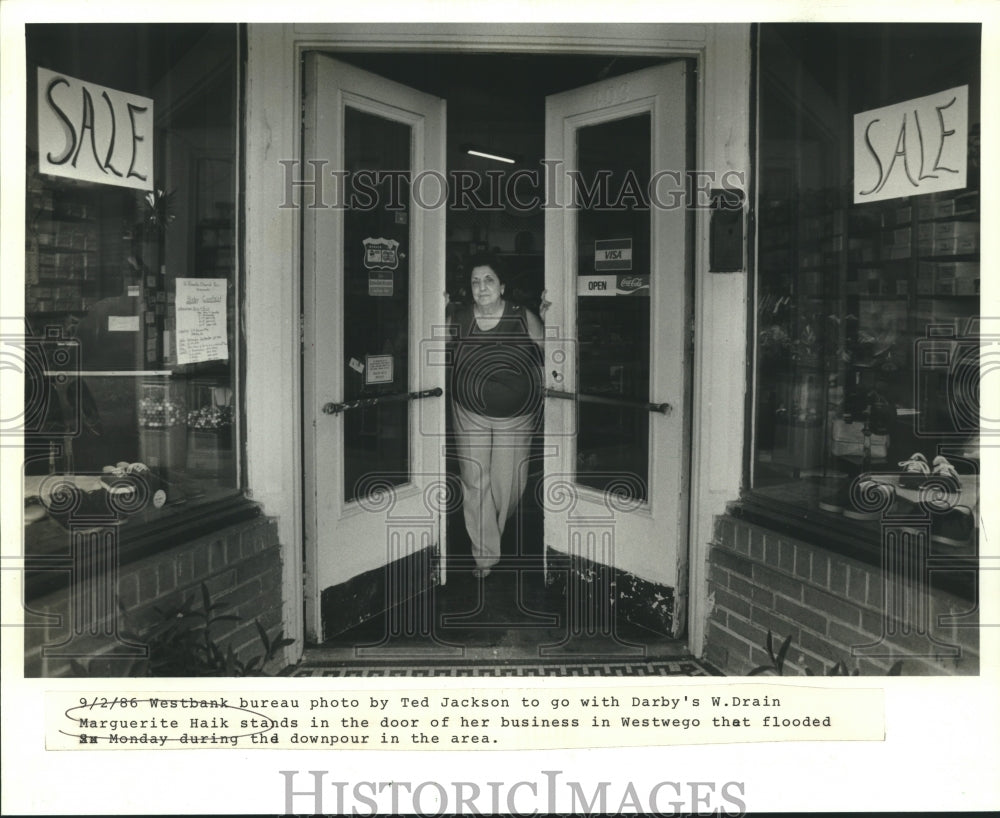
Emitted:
<point x="913" y="147"/>
<point x="93" y="133"/>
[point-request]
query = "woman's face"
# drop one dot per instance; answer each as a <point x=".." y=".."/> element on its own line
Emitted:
<point x="486" y="286"/>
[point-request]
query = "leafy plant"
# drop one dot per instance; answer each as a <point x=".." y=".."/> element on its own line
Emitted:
<point x="182" y="643"/>
<point x="777" y="666"/>
<point x="777" y="661"/>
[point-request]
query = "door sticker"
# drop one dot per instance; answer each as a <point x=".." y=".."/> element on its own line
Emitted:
<point x="356" y="365"/>
<point x="613" y="254"/>
<point x="378" y="369"/>
<point x="380" y="282"/>
<point x="381" y="258"/>
<point x="381" y="254"/>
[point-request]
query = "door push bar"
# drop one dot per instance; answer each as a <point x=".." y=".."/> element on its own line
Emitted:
<point x="396" y="397"/>
<point x="662" y="408"/>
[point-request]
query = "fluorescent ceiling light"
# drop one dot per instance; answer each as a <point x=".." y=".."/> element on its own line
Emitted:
<point x="485" y="155"/>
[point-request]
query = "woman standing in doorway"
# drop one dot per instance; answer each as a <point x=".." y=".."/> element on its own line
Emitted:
<point x="496" y="401"/>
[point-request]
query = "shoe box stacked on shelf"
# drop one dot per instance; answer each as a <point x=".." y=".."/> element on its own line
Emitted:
<point x="61" y="242"/>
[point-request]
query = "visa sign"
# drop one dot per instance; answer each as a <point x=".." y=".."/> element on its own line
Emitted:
<point x="613" y="254"/>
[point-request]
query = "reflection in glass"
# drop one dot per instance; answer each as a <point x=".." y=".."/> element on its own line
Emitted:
<point x="613" y="317"/>
<point x="376" y="301"/>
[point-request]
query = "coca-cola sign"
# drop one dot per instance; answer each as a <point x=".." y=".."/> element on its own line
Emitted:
<point x="632" y="283"/>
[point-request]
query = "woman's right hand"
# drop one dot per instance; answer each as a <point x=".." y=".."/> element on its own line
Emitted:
<point x="543" y="306"/>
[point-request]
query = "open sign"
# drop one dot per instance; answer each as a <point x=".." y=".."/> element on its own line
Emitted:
<point x="93" y="133"/>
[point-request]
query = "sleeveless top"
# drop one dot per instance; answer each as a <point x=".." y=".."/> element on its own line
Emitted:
<point x="497" y="372"/>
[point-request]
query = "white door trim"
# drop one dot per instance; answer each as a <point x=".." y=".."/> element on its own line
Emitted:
<point x="273" y="300"/>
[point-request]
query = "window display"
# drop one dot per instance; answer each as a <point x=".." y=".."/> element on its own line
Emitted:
<point x="867" y="294"/>
<point x="131" y="285"/>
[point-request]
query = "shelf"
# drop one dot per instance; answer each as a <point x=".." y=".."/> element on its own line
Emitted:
<point x="53" y="217"/>
<point x="53" y="248"/>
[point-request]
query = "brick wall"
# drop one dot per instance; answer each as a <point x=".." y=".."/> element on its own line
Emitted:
<point x="240" y="565"/>
<point x="759" y="580"/>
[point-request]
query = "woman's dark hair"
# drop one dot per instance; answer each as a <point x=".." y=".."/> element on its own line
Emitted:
<point x="491" y="260"/>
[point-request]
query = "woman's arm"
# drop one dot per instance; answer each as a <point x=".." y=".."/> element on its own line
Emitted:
<point x="536" y="331"/>
<point x="535" y="328"/>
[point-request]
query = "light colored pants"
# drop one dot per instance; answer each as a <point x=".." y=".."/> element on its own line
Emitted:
<point x="493" y="459"/>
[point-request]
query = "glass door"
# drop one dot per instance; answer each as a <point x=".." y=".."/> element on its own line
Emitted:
<point x="618" y="357"/>
<point x="374" y="314"/>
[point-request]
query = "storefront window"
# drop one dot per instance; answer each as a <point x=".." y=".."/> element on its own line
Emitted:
<point x="867" y="286"/>
<point x="131" y="287"/>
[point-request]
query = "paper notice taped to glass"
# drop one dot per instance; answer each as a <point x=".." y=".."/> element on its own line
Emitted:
<point x="201" y="320"/>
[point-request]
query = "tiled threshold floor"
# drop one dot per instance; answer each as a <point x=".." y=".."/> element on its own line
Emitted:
<point x="508" y="617"/>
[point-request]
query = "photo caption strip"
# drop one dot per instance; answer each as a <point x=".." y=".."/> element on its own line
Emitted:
<point x="486" y="719"/>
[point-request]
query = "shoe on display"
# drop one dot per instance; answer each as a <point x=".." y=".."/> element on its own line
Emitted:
<point x="943" y="468"/>
<point x="915" y="471"/>
<point x="869" y="500"/>
<point x="837" y="499"/>
<point x="955" y="527"/>
<point x="902" y="511"/>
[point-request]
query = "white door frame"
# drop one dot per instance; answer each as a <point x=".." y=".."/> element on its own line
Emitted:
<point x="273" y="295"/>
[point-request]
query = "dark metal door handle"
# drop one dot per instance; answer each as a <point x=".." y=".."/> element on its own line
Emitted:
<point x="396" y="397"/>
<point x="625" y="403"/>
